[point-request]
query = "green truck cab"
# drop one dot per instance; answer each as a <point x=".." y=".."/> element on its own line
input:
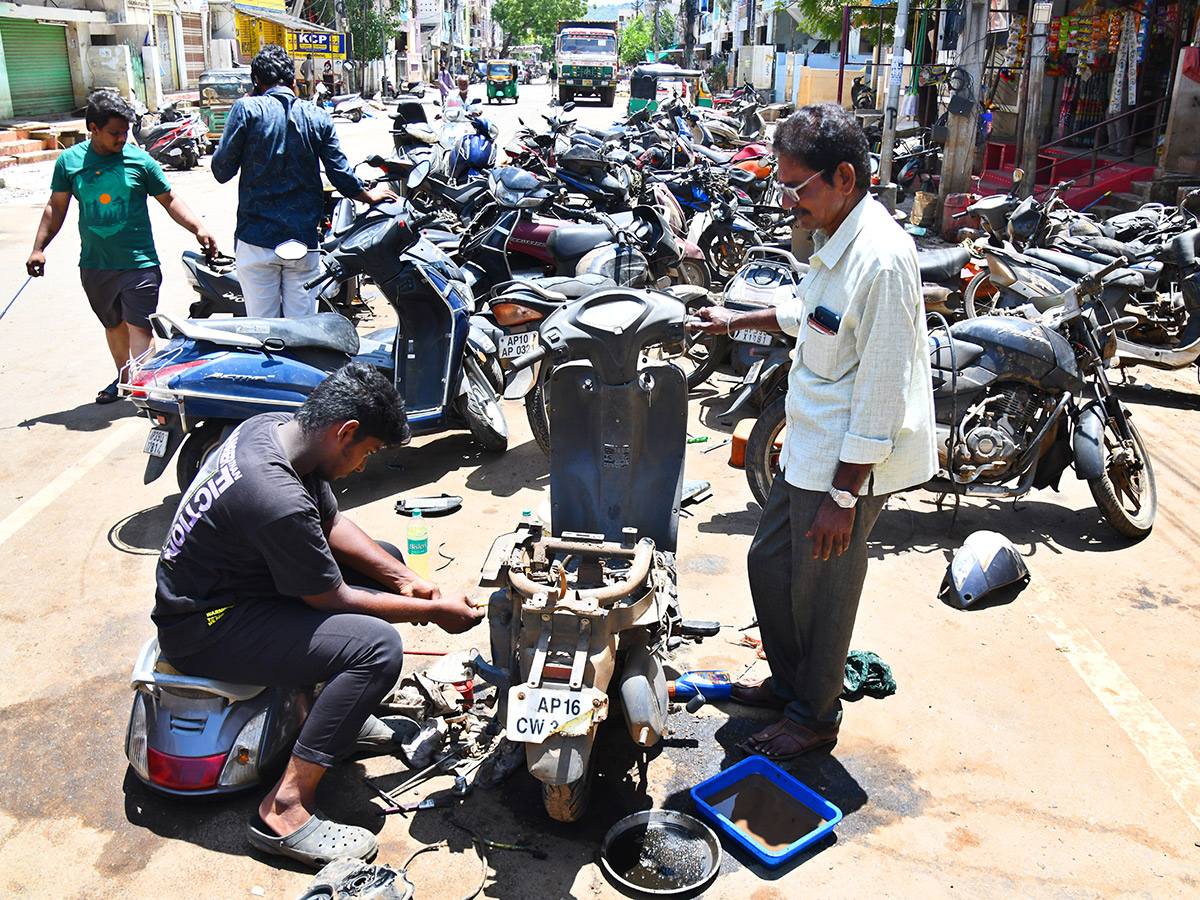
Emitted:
<point x="586" y="56"/>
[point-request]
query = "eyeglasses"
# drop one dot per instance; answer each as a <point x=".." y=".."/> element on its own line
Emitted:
<point x="793" y="193"/>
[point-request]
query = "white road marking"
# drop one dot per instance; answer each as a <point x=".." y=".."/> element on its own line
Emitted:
<point x="1163" y="747"/>
<point x="51" y="492"/>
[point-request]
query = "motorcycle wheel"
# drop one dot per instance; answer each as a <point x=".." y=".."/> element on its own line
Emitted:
<point x="981" y="298"/>
<point x="700" y="353"/>
<point x="201" y="443"/>
<point x="355" y="115"/>
<point x="692" y="271"/>
<point x="537" y="412"/>
<point x="1126" y="493"/>
<point x="724" y="248"/>
<point x="568" y="802"/>
<point x="481" y="408"/>
<point x="762" y="457"/>
<point x="188" y="159"/>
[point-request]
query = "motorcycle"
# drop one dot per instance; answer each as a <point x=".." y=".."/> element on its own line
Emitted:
<point x="1016" y="402"/>
<point x="862" y="96"/>
<point x="174" y="140"/>
<point x="347" y="106"/>
<point x="212" y="374"/>
<point x="589" y="606"/>
<point x="466" y="144"/>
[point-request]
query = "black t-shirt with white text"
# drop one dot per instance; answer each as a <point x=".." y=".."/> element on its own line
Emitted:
<point x="248" y="528"/>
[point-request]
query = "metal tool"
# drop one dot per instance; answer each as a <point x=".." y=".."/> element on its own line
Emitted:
<point x="397" y="791"/>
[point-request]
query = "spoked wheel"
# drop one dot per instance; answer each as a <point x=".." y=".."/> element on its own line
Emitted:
<point x="725" y="248"/>
<point x="1126" y="493"/>
<point x="481" y="408"/>
<point x="762" y="454"/>
<point x="981" y="298"/>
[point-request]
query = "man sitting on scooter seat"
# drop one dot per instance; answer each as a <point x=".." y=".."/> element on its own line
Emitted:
<point x="262" y="581"/>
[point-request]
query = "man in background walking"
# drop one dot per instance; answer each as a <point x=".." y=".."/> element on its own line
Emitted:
<point x="279" y="145"/>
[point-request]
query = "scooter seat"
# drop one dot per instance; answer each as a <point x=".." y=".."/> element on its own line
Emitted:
<point x="1078" y="268"/>
<point x="603" y="133"/>
<point x="942" y="265"/>
<point x="324" y="331"/>
<point x="572" y="287"/>
<point x="572" y="241"/>
<point x="343" y="98"/>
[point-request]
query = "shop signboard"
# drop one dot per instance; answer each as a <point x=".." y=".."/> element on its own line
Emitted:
<point x="318" y="43"/>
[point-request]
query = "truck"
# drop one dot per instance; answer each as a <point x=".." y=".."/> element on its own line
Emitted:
<point x="586" y="56"/>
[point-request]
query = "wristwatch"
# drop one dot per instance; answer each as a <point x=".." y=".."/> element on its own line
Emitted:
<point x="844" y="499"/>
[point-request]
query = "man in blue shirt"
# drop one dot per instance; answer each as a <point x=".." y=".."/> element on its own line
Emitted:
<point x="278" y="143"/>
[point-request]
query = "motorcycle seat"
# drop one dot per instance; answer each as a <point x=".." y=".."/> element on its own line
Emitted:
<point x="567" y="287"/>
<point x="718" y="156"/>
<point x="741" y="177"/>
<point x="1078" y="268"/>
<point x="941" y="356"/>
<point x="323" y="331"/>
<point x="603" y="133"/>
<point x="942" y="265"/>
<point x="345" y="98"/>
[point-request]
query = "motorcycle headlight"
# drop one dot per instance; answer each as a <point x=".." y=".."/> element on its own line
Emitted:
<point x="505" y="197"/>
<point x="493" y="130"/>
<point x="241" y="766"/>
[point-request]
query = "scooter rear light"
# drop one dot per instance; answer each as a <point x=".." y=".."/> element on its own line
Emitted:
<point x="242" y="765"/>
<point x="184" y="773"/>
<point x="150" y="378"/>
<point x="509" y="314"/>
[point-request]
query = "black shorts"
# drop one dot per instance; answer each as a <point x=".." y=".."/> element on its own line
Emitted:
<point x="122" y="295"/>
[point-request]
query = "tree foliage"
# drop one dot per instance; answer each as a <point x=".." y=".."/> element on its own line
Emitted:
<point x="637" y="39"/>
<point x="823" y="18"/>
<point x="369" y="30"/>
<point x="534" y="21"/>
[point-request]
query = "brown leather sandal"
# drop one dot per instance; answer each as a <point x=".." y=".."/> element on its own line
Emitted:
<point x="786" y="740"/>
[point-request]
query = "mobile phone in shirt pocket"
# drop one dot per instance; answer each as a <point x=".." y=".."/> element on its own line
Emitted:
<point x="821" y="344"/>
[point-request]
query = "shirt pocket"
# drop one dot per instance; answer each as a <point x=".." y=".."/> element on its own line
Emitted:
<point x="827" y="355"/>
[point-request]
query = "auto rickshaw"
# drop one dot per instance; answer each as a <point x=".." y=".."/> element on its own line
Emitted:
<point x="502" y="79"/>
<point x="219" y="88"/>
<point x="643" y="84"/>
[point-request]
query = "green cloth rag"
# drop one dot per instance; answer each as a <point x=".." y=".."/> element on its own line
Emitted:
<point x="867" y="674"/>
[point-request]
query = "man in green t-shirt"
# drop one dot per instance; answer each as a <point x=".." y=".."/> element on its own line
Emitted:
<point x="117" y="262"/>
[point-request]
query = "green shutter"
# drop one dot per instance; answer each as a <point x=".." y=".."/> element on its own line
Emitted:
<point x="39" y="74"/>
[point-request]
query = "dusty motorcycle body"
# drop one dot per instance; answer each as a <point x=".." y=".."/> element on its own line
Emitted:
<point x="587" y="610"/>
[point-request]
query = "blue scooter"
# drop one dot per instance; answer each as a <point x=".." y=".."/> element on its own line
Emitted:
<point x="214" y="373"/>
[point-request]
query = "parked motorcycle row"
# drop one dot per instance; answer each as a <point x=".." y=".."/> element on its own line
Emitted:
<point x="565" y="277"/>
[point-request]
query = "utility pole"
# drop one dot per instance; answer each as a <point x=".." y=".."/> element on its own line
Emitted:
<point x="1033" y="94"/>
<point x="689" y="34"/>
<point x="656" y="30"/>
<point x="959" y="158"/>
<point x="891" y="110"/>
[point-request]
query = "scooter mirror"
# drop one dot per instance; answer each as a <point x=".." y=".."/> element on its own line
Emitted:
<point x="418" y="174"/>
<point x="521" y="383"/>
<point x="568" y="106"/>
<point x="1018" y="175"/>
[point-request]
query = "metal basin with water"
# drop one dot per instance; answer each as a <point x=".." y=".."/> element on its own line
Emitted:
<point x="660" y="852"/>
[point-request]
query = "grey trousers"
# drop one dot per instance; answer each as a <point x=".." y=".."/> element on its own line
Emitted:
<point x="806" y="607"/>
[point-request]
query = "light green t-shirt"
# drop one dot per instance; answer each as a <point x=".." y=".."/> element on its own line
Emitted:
<point x="114" y="224"/>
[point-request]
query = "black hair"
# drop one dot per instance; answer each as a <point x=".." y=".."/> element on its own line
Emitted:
<point x="357" y="391"/>
<point x="272" y="66"/>
<point x="823" y="136"/>
<point x="105" y="105"/>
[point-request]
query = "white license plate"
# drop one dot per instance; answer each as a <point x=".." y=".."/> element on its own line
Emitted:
<point x="752" y="336"/>
<point x="534" y="714"/>
<point x="156" y="442"/>
<point x="512" y="345"/>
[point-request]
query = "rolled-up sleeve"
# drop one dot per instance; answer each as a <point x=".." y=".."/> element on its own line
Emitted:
<point x="885" y="338"/>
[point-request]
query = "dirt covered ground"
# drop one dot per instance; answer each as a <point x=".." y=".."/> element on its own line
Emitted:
<point x="1046" y="748"/>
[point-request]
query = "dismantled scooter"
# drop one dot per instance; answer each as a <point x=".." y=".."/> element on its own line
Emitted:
<point x="589" y="604"/>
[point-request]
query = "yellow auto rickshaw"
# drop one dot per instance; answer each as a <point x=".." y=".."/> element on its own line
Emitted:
<point x="219" y="88"/>
<point x="502" y="79"/>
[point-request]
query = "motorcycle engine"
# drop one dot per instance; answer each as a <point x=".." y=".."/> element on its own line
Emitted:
<point x="994" y="433"/>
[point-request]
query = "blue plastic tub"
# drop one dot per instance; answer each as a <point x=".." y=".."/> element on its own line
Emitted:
<point x="769" y="813"/>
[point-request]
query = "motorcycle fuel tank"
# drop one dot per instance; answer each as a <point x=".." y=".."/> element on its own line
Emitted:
<point x="1017" y="349"/>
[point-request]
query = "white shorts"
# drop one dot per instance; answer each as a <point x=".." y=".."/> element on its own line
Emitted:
<point x="274" y="287"/>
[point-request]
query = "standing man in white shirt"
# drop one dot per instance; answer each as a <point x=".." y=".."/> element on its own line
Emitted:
<point x="859" y="424"/>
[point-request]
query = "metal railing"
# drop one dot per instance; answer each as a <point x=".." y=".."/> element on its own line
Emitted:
<point x="1129" y="140"/>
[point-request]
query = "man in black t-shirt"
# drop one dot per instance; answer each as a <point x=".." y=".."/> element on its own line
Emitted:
<point x="252" y="589"/>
